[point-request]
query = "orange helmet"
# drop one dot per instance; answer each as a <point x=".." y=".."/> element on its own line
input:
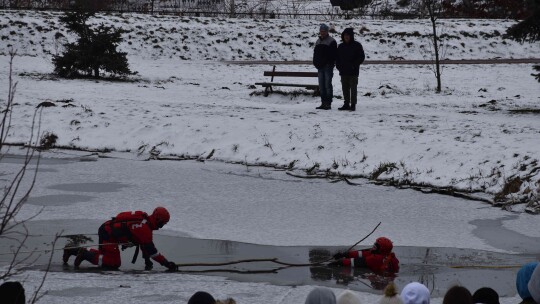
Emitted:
<point x="160" y="217"/>
<point x="384" y="245"/>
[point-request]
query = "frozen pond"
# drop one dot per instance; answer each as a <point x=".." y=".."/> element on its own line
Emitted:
<point x="223" y="212"/>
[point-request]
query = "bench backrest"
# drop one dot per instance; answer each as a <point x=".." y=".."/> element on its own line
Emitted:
<point x="290" y="74"/>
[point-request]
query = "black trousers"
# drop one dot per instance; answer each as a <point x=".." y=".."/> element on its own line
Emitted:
<point x="349" y="86"/>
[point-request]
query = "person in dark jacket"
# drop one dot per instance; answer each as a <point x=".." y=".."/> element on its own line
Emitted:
<point x="350" y="55"/>
<point x="324" y="59"/>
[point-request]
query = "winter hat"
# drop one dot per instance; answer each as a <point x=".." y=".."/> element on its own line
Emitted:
<point x="347" y="297"/>
<point x="534" y="285"/>
<point x="321" y="295"/>
<point x="523" y="278"/>
<point x="324" y="27"/>
<point x="486" y="295"/>
<point x="390" y="295"/>
<point x="12" y="292"/>
<point x="415" y="293"/>
<point x="201" y="297"/>
<point x="458" y="295"/>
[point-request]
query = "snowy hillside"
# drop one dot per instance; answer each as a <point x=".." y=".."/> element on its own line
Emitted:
<point x="188" y="38"/>
<point x="479" y="135"/>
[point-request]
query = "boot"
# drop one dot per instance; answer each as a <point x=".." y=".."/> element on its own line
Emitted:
<point x="84" y="255"/>
<point x="345" y="106"/>
<point x="353" y="107"/>
<point x="324" y="106"/>
<point x="68" y="252"/>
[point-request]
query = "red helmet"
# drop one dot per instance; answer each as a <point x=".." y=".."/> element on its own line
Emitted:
<point x="384" y="244"/>
<point x="160" y="216"/>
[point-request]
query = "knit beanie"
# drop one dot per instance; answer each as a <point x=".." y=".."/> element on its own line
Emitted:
<point x="534" y="284"/>
<point x="201" y="297"/>
<point x="347" y="297"/>
<point x="415" y="293"/>
<point x="486" y="295"/>
<point x="321" y="295"/>
<point x="523" y="278"/>
<point x="458" y="295"/>
<point x="390" y="295"/>
<point x="324" y="27"/>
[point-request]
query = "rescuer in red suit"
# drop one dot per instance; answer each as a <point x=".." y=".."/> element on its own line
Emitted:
<point x="131" y="227"/>
<point x="379" y="258"/>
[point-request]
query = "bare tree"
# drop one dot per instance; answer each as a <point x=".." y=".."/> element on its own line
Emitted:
<point x="17" y="188"/>
<point x="434" y="8"/>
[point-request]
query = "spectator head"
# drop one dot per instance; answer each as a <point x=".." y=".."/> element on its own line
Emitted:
<point x="415" y="293"/>
<point x="534" y="285"/>
<point x="321" y="295"/>
<point x="390" y="295"/>
<point x="458" y="295"/>
<point x="347" y="297"/>
<point x="485" y="295"/>
<point x="12" y="293"/>
<point x="324" y="27"/>
<point x="201" y="297"/>
<point x="523" y="278"/>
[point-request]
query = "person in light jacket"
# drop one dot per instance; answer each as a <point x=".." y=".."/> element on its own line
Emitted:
<point x="324" y="59"/>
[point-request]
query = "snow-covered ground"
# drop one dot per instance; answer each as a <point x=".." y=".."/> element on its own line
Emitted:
<point x="469" y="137"/>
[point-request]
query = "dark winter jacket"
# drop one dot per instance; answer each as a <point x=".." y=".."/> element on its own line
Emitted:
<point x="349" y="55"/>
<point x="325" y="52"/>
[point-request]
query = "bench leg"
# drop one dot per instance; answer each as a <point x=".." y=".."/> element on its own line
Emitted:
<point x="266" y="91"/>
<point x="316" y="92"/>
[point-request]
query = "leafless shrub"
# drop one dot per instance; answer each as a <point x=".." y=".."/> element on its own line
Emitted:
<point x="382" y="168"/>
<point x="17" y="188"/>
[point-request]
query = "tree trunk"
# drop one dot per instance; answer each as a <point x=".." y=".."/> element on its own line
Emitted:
<point x="435" y="46"/>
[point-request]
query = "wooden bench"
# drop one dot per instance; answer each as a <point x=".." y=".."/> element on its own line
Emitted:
<point x="269" y="85"/>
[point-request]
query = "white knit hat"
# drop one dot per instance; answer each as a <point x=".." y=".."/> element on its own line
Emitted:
<point x="415" y="293"/>
<point x="347" y="297"/>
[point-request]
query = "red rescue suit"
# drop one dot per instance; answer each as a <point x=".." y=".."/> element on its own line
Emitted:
<point x="377" y="262"/>
<point x="134" y="227"/>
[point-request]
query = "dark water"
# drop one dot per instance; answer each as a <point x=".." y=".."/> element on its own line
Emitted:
<point x="431" y="266"/>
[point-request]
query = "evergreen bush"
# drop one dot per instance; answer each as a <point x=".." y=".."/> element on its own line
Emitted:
<point x="94" y="52"/>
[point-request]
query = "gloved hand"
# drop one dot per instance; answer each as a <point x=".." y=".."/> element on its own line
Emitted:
<point x="171" y="266"/>
<point x="126" y="246"/>
<point x="339" y="255"/>
<point x="335" y="263"/>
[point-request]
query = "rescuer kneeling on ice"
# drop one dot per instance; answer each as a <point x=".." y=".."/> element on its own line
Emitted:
<point x="131" y="227"/>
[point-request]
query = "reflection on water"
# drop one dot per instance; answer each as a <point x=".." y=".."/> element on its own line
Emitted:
<point x="346" y="276"/>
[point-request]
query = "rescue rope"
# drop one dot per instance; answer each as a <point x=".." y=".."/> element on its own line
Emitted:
<point x="274" y="260"/>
